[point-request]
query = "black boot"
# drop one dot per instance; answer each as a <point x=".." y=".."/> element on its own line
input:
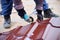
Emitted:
<point x="39" y="15"/>
<point x="23" y="15"/>
<point x="7" y="23"/>
<point x="48" y="14"/>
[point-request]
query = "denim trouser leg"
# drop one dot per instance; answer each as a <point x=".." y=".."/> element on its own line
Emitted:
<point x="39" y="4"/>
<point x="45" y="5"/>
<point x="6" y="7"/>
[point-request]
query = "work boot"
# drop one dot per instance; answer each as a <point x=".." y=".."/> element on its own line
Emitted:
<point x="7" y="22"/>
<point x="28" y="18"/>
<point x="48" y="14"/>
<point x="39" y="15"/>
<point x="23" y="15"/>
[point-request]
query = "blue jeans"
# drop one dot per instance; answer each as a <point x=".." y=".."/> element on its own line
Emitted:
<point x="45" y="5"/>
<point x="6" y="7"/>
<point x="8" y="4"/>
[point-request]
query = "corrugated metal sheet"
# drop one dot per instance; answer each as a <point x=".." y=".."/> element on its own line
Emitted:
<point x="35" y="31"/>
